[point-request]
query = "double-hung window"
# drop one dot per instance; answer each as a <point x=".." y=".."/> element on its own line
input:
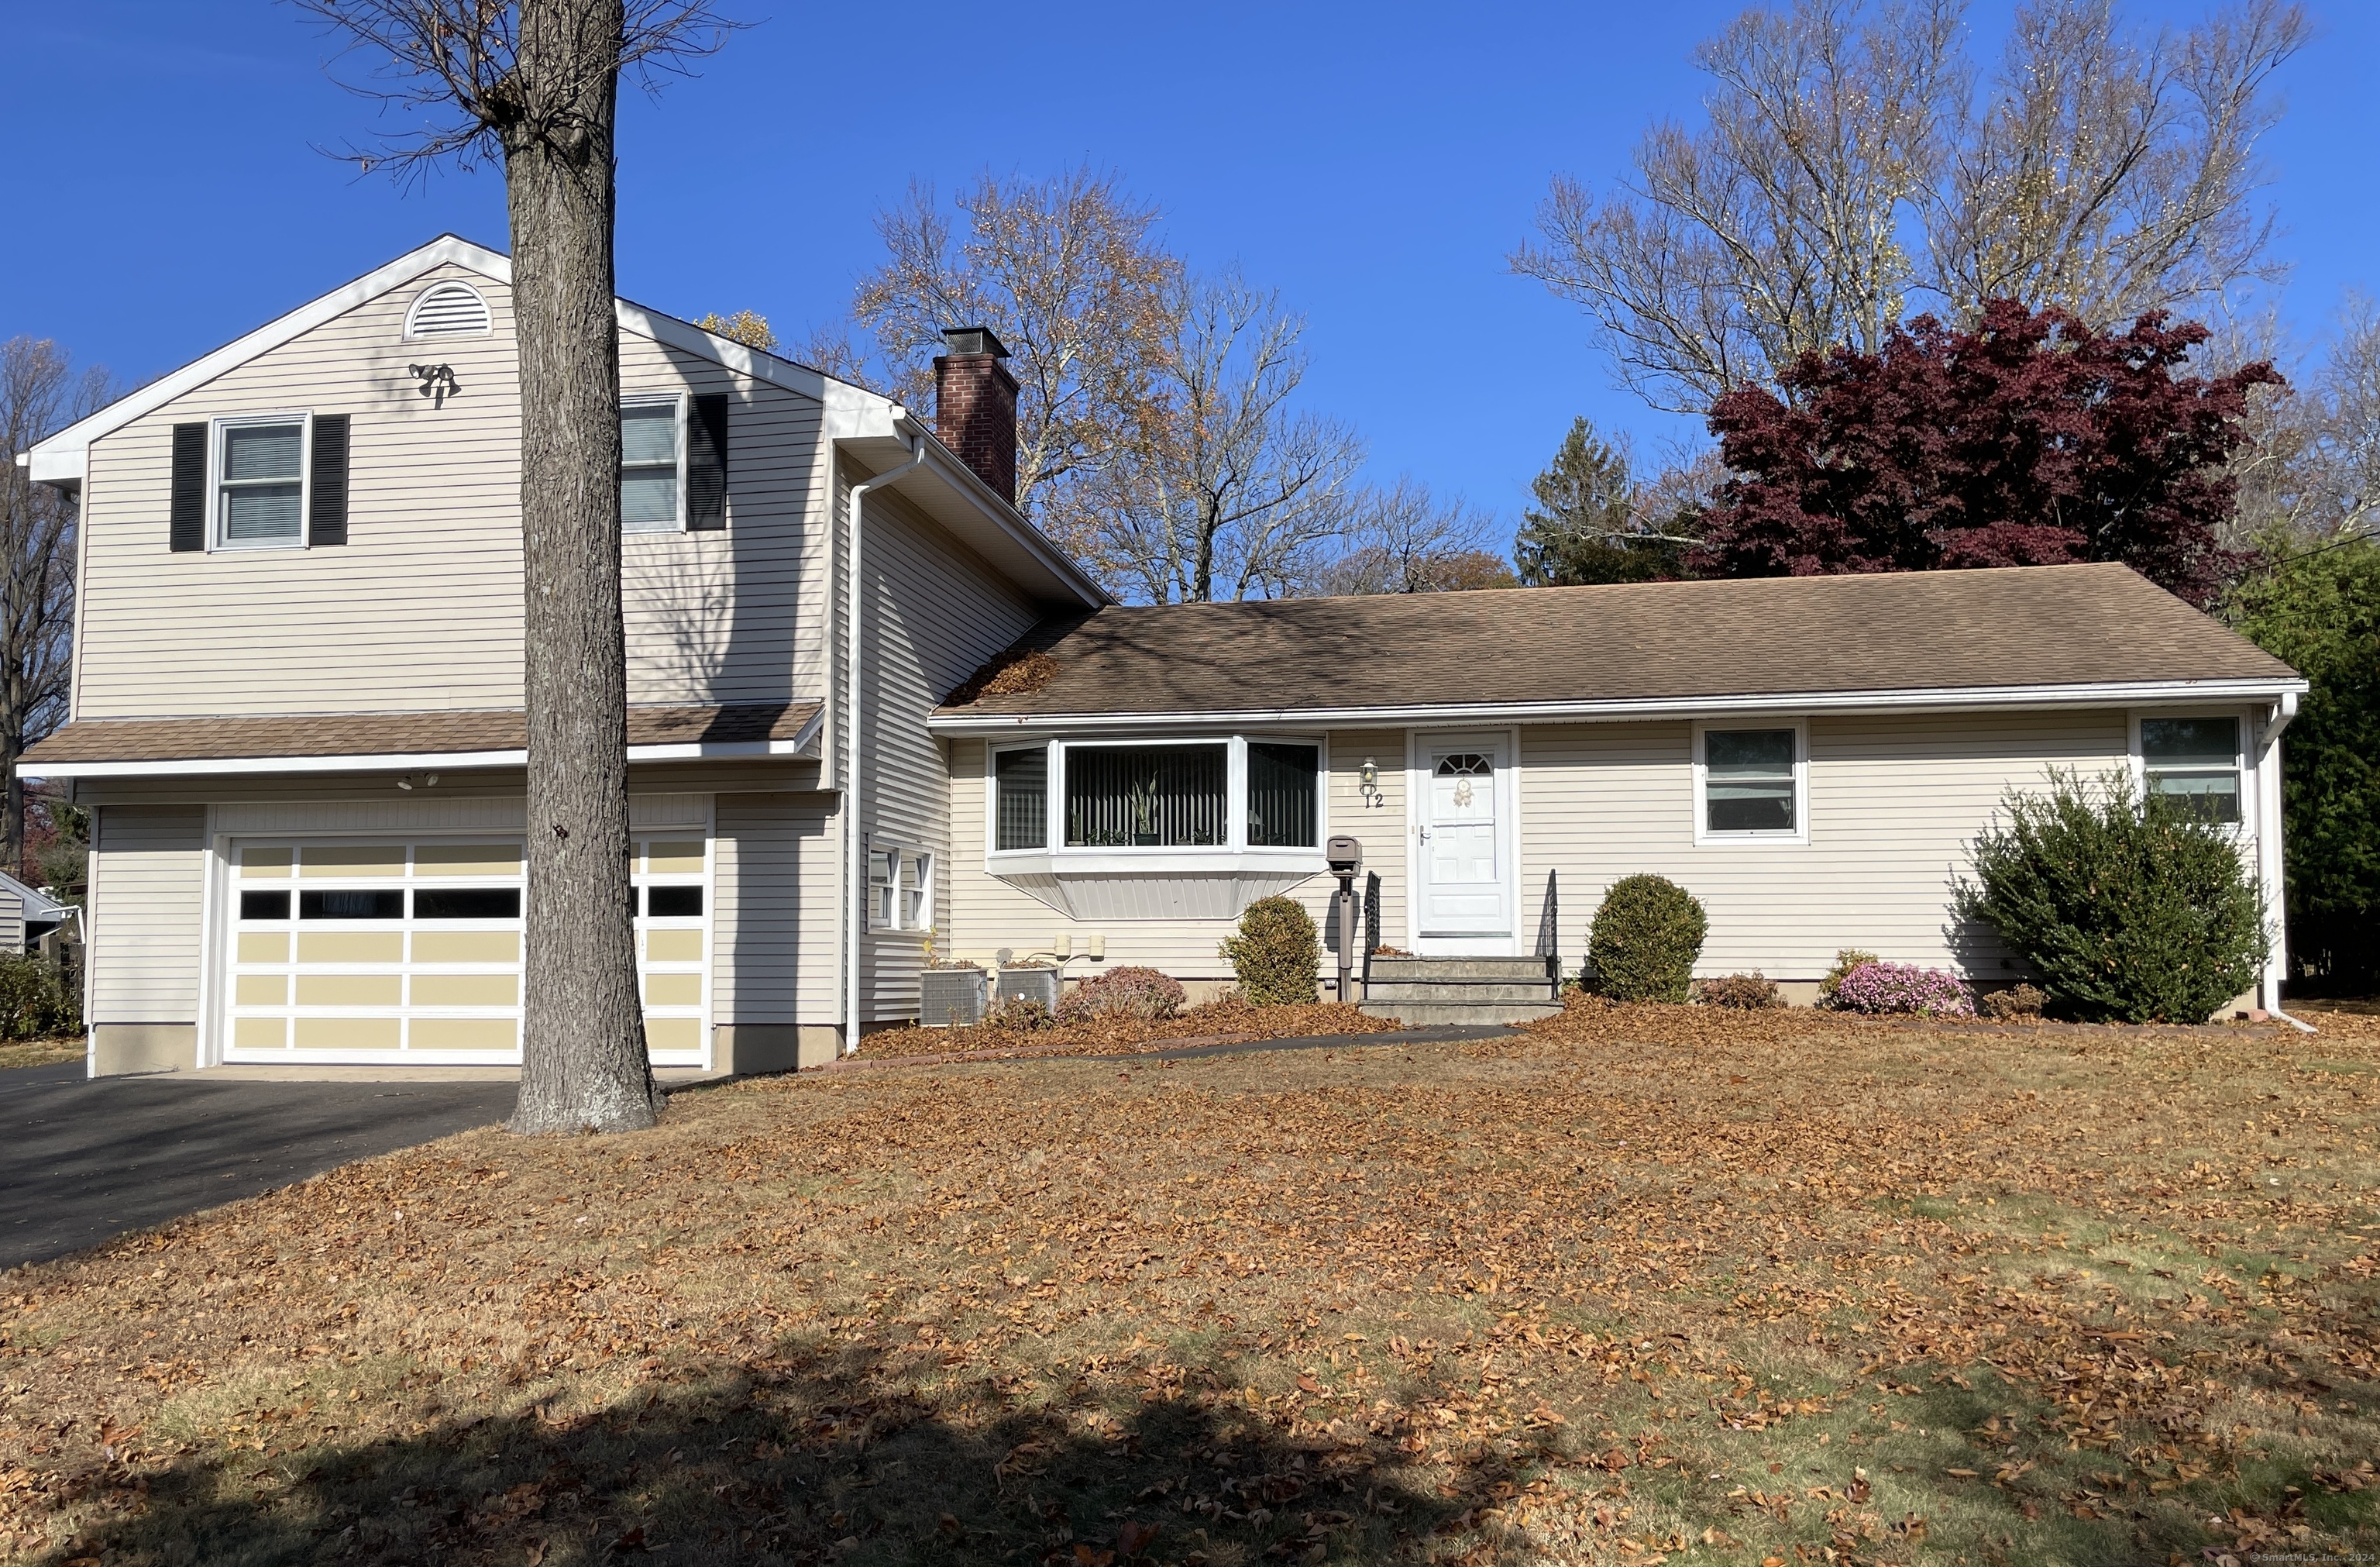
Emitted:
<point x="2194" y="762"/>
<point x="1749" y="784"/>
<point x="900" y="888"/>
<point x="260" y="483"/>
<point x="652" y="454"/>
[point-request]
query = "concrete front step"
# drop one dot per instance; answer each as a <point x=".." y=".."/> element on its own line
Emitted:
<point x="1507" y="968"/>
<point x="1420" y="1013"/>
<point x="1495" y="990"/>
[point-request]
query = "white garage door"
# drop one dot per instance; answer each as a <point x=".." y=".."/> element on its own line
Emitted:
<point x="391" y="952"/>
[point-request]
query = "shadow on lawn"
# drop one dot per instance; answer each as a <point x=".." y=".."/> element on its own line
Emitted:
<point x="808" y="1461"/>
<point x="790" y="1463"/>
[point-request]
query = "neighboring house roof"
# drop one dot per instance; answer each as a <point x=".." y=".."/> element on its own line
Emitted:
<point x="382" y="741"/>
<point x="33" y="903"/>
<point x="2081" y="630"/>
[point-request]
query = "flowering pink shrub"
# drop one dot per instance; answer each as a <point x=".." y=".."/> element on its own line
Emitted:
<point x="1903" y="987"/>
<point x="1124" y="992"/>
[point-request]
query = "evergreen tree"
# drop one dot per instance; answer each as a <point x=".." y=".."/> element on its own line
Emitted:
<point x="1584" y="527"/>
<point x="2321" y="612"/>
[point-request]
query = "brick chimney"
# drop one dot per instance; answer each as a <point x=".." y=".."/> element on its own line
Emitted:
<point x="975" y="405"/>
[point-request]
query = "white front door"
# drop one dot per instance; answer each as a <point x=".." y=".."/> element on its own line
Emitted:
<point x="1463" y="852"/>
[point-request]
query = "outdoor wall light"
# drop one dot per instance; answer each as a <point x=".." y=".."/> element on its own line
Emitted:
<point x="1369" y="777"/>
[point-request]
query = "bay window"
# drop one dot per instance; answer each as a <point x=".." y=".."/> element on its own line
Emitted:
<point x="1147" y="796"/>
<point x="1280" y="794"/>
<point x="1088" y="797"/>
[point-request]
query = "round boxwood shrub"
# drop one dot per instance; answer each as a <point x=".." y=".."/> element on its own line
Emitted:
<point x="1645" y="940"/>
<point x="1276" y="954"/>
<point x="2132" y="910"/>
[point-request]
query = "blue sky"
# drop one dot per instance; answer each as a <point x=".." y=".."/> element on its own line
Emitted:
<point x="1375" y="163"/>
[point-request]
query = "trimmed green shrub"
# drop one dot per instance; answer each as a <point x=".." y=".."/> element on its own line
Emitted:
<point x="35" y="1000"/>
<point x="2132" y="910"/>
<point x="1277" y="953"/>
<point x="1645" y="940"/>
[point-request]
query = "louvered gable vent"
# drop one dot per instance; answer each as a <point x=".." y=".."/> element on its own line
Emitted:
<point x="446" y="309"/>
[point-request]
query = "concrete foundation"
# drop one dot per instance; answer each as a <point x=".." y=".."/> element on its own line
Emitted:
<point x="124" y="1050"/>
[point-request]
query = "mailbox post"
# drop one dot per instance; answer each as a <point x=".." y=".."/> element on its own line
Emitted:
<point x="1346" y="857"/>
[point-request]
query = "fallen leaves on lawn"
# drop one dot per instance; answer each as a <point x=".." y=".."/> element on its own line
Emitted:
<point x="1552" y="1297"/>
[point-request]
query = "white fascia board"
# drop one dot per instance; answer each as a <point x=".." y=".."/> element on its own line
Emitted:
<point x="802" y="747"/>
<point x="2110" y="694"/>
<point x="857" y="416"/>
<point x="64" y="457"/>
<point x="970" y="487"/>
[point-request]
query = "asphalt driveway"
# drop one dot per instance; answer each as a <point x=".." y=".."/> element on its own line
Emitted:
<point x="81" y="1161"/>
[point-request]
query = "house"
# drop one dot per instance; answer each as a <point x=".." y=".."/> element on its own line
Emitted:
<point x="296" y="716"/>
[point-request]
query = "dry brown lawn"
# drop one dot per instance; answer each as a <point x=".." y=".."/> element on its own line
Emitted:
<point x="39" y="1052"/>
<point x="1642" y="1285"/>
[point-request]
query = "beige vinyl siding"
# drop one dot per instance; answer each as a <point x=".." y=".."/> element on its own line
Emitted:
<point x="731" y="614"/>
<point x="987" y="912"/>
<point x="774" y="874"/>
<point x="148" y="887"/>
<point x="421" y="608"/>
<point x="1893" y="800"/>
<point x="12" y="921"/>
<point x="936" y="612"/>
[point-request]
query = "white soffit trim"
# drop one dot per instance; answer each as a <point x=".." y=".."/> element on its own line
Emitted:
<point x="802" y="747"/>
<point x="62" y="459"/>
<point x="1944" y="699"/>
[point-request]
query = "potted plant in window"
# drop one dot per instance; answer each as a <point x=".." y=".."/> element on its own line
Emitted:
<point x="1143" y="799"/>
<point x="949" y="995"/>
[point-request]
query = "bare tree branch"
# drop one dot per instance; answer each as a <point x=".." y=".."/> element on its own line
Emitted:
<point x="455" y="63"/>
<point x="40" y="393"/>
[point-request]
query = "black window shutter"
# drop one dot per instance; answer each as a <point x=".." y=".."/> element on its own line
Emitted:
<point x="706" y="463"/>
<point x="187" y="528"/>
<point x="326" y="509"/>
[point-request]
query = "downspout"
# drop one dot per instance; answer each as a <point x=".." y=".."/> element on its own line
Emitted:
<point x="855" y="858"/>
<point x="2268" y="850"/>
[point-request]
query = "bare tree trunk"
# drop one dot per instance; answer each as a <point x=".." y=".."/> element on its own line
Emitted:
<point x="584" y="1064"/>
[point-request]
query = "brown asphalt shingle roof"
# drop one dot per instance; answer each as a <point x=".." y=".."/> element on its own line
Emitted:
<point x="2033" y="626"/>
<point x="391" y="733"/>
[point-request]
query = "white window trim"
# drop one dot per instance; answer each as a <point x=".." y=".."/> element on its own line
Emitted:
<point x="413" y="313"/>
<point x="677" y="403"/>
<point x="1704" y="837"/>
<point x="216" y="435"/>
<point x="2243" y="764"/>
<point x="1157" y="858"/>
<point x="905" y="854"/>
